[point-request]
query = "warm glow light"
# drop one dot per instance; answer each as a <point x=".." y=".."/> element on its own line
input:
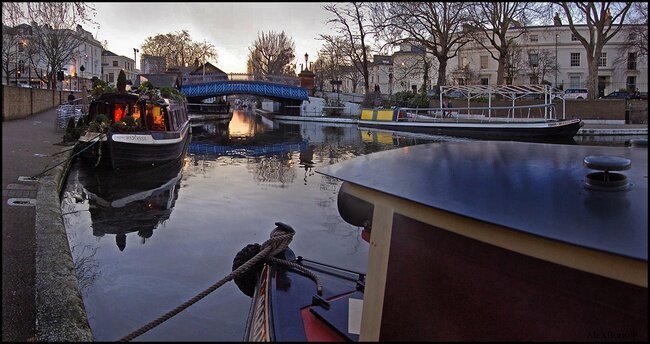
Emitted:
<point x="240" y="125"/>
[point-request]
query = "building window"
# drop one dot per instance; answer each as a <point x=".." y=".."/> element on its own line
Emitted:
<point x="533" y="59"/>
<point x="630" y="83"/>
<point x="575" y="59"/>
<point x="534" y="80"/>
<point x="574" y="37"/>
<point x="631" y="61"/>
<point x="111" y="77"/>
<point x="534" y="38"/>
<point x="574" y="81"/>
<point x="484" y="81"/>
<point x="463" y="62"/>
<point x="114" y="63"/>
<point x="602" y="61"/>
<point x="484" y="62"/>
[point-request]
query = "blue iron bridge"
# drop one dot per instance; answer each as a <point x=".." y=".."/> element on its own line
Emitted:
<point x="269" y="89"/>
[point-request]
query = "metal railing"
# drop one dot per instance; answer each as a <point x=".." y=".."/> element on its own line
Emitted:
<point x="276" y="79"/>
<point x="67" y="111"/>
<point x="486" y="113"/>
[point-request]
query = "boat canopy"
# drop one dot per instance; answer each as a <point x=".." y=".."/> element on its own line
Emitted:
<point x="508" y="92"/>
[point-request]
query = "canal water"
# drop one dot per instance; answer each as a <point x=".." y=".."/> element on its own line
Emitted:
<point x="146" y="241"/>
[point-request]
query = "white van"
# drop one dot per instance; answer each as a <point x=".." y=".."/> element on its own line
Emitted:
<point x="575" y="93"/>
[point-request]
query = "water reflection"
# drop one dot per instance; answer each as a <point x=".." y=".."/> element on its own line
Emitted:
<point x="239" y="177"/>
<point x="130" y="200"/>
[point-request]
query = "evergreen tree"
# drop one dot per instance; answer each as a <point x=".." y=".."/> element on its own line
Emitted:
<point x="121" y="82"/>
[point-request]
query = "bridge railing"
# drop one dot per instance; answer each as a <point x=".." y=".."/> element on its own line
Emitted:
<point x="276" y="79"/>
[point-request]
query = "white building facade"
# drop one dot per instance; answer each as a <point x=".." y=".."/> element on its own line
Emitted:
<point x="89" y="55"/>
<point x="539" y="48"/>
<point x="28" y="63"/>
<point x="112" y="64"/>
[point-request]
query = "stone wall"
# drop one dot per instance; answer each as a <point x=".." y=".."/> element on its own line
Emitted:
<point x="20" y="102"/>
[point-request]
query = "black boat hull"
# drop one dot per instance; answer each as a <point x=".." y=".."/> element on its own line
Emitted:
<point x="561" y="130"/>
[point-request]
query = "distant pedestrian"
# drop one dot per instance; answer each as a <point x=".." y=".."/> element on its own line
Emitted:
<point x="71" y="98"/>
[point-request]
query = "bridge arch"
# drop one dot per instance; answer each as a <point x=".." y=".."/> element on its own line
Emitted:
<point x="274" y="91"/>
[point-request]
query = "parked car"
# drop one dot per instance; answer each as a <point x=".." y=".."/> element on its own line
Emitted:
<point x="455" y="94"/>
<point x="621" y="95"/>
<point x="575" y="93"/>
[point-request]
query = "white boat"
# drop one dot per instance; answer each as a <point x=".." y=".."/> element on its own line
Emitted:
<point x="530" y="122"/>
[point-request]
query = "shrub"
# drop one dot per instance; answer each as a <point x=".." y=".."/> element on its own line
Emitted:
<point x="372" y="99"/>
<point x="333" y="103"/>
<point x="172" y="93"/>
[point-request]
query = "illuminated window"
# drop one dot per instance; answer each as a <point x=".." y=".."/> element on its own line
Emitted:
<point x="155" y="118"/>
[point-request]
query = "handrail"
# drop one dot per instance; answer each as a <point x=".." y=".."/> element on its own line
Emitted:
<point x="455" y="111"/>
<point x="480" y="107"/>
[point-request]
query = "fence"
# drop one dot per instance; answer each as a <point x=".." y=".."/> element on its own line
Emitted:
<point x="67" y="111"/>
<point x="276" y="79"/>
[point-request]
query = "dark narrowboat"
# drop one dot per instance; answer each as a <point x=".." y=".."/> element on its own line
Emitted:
<point x="134" y="130"/>
<point x="478" y="241"/>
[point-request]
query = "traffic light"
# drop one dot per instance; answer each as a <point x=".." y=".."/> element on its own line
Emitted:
<point x="60" y="76"/>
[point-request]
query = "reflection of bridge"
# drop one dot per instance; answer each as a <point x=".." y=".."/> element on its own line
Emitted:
<point x="281" y="88"/>
<point x="246" y="151"/>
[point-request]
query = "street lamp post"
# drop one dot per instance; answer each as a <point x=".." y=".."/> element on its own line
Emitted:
<point x="556" y="68"/>
<point x="82" y="69"/>
<point x="135" y="57"/>
<point x="306" y="58"/>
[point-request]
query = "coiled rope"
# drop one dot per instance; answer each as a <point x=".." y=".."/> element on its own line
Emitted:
<point x="278" y="242"/>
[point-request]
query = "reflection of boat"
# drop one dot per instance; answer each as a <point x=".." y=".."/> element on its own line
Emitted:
<point x="509" y="241"/>
<point x="508" y="121"/>
<point x="133" y="200"/>
<point x="142" y="129"/>
<point x="209" y="111"/>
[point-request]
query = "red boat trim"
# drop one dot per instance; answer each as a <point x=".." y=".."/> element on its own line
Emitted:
<point x="318" y="331"/>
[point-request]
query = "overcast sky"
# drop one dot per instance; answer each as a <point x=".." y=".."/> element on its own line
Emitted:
<point x="230" y="26"/>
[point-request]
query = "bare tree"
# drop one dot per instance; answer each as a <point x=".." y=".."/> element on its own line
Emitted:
<point x="539" y="64"/>
<point x="604" y="20"/>
<point x="11" y="38"/>
<point x="465" y="75"/>
<point x="330" y="60"/>
<point x="491" y="29"/>
<point x="272" y="54"/>
<point x="352" y="22"/>
<point x="435" y="25"/>
<point x="514" y="63"/>
<point x="53" y="35"/>
<point x="636" y="43"/>
<point x="178" y="48"/>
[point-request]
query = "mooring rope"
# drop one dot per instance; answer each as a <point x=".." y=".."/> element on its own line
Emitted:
<point x="301" y="269"/>
<point x="72" y="156"/>
<point x="278" y="242"/>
